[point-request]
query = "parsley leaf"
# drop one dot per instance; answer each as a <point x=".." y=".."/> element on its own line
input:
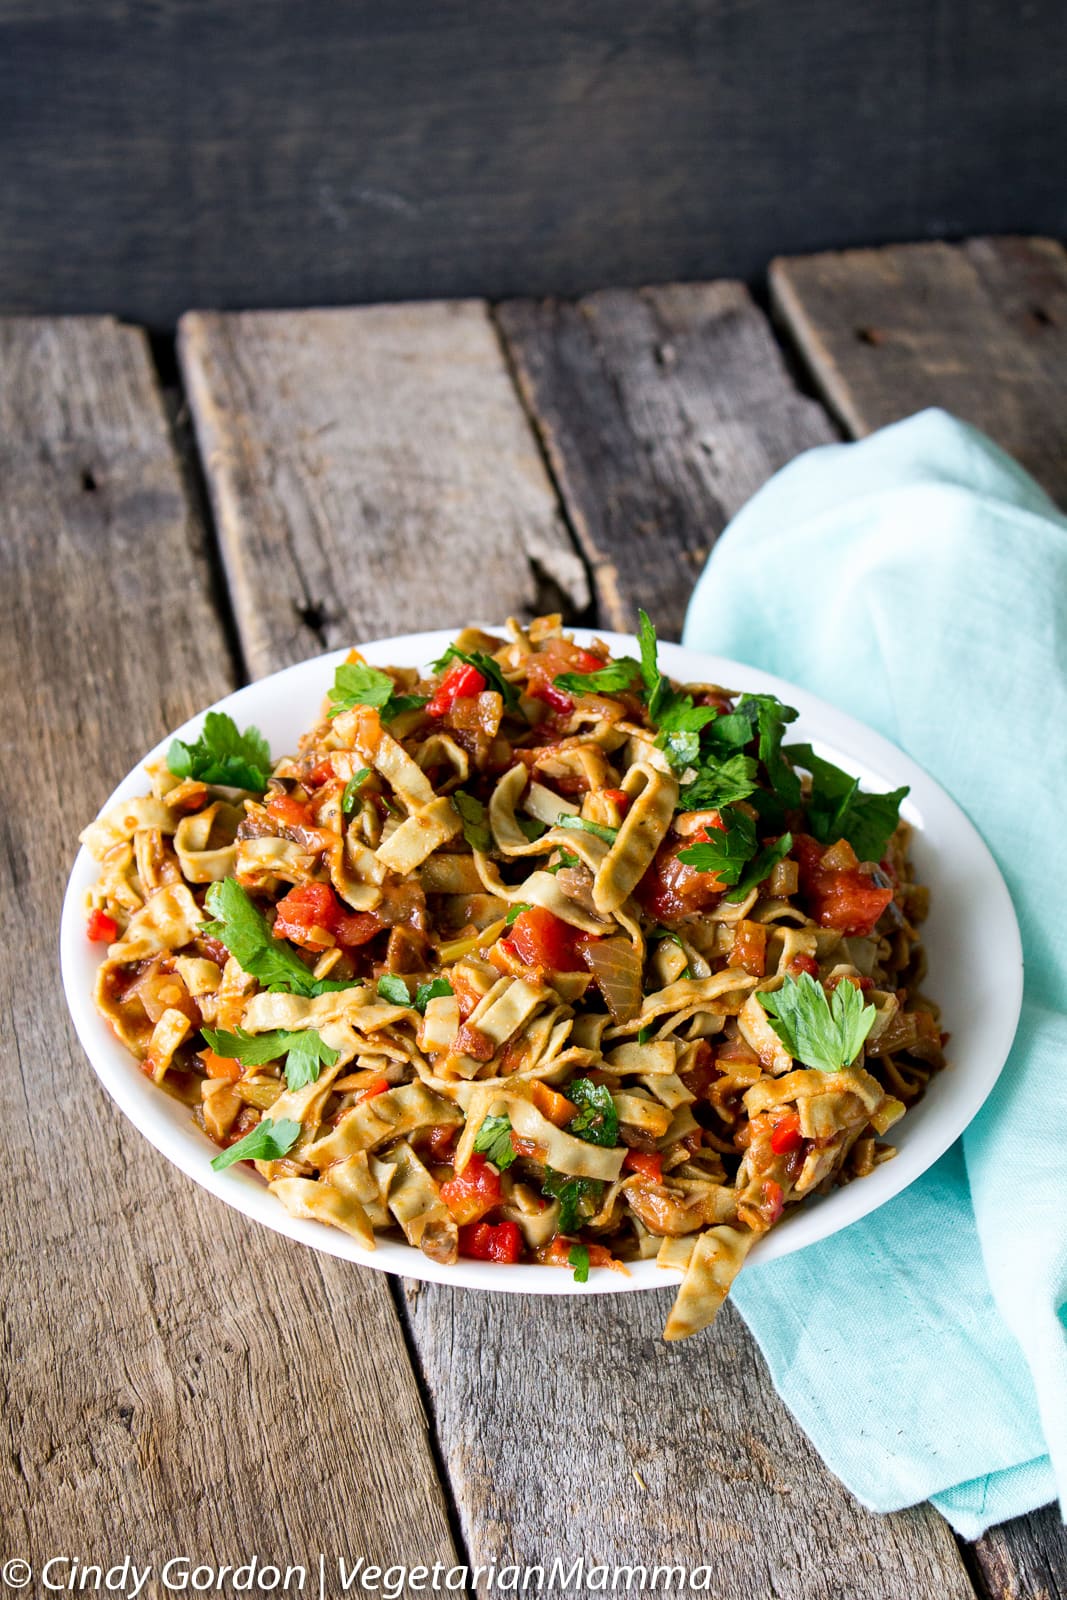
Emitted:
<point x="597" y="1121"/>
<point x="644" y="1034"/>
<point x="267" y="1141"/>
<point x="436" y="989"/>
<point x="306" y="1051"/>
<point x="394" y="989"/>
<point x="600" y="830"/>
<point x="532" y="827"/>
<point x="488" y="668"/>
<point x="578" y="1197"/>
<point x="516" y="911"/>
<point x="770" y="717"/>
<point x="726" y="851"/>
<point x="493" y="1139"/>
<point x="578" y="1258"/>
<point x="567" y="858"/>
<point x="822" y="1032"/>
<point x="732" y="855"/>
<point x="242" y="928"/>
<point x="357" y="684"/>
<point x="616" y="677"/>
<point x="352" y="788"/>
<point x="472" y="815"/>
<point x="657" y="688"/>
<point x="222" y="754"/>
<point x="680" y="727"/>
<point x="719" y="784"/>
<point x="838" y="810"/>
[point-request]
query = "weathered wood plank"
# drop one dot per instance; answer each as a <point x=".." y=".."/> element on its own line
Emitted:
<point x="371" y="473"/>
<point x="545" y="1409"/>
<point x="1025" y="1559"/>
<point x="661" y="411"/>
<point x="175" y="1380"/>
<point x="979" y="328"/>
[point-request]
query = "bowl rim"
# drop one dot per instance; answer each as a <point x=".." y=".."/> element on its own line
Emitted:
<point x="950" y="1104"/>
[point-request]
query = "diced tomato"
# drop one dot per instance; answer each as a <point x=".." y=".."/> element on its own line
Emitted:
<point x="671" y="888"/>
<point x="101" y="928"/>
<point x="289" y="813"/>
<point x="440" y="1140"/>
<point x="356" y="927"/>
<point x="619" y="797"/>
<point x="554" y="658"/>
<point x="803" y="963"/>
<point x="773" y="1200"/>
<point x="221" y="1066"/>
<point x="488" y="1241"/>
<point x="558" y="699"/>
<point x="847" y="898"/>
<point x="460" y="682"/>
<point x="543" y="940"/>
<point x="305" y="908"/>
<point x="556" y="1253"/>
<point x="649" y="1163"/>
<point x="786" y="1135"/>
<point x="473" y="1192"/>
<point x="374" y="1086"/>
<point x="749" y="950"/>
<point x="320" y="774"/>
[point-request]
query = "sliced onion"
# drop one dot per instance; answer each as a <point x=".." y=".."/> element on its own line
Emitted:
<point x="616" y="966"/>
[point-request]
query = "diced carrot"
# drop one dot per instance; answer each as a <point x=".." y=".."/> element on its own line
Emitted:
<point x="556" y="1107"/>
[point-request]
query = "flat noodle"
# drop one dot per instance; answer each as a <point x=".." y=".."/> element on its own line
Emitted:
<point x="498" y="996"/>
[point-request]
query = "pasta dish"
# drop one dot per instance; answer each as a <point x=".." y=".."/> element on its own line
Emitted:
<point x="532" y="955"/>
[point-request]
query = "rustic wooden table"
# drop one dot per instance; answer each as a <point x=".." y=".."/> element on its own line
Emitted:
<point x="175" y="1379"/>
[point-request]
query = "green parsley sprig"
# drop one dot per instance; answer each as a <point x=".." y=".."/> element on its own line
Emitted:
<point x="267" y="1141"/>
<point x="838" y="809"/>
<point x="579" y="1198"/>
<point x="597" y="1121"/>
<point x="357" y="684"/>
<point x="827" y="1032"/>
<point x="599" y="830"/>
<point x="305" y="1051"/>
<point x="222" y="754"/>
<point x="242" y="928"/>
<point x="493" y="1139"/>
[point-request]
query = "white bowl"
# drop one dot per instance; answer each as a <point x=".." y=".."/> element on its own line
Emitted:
<point x="972" y="940"/>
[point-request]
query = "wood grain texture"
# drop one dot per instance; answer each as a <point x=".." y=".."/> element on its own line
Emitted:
<point x="174" y="1379"/>
<point x="266" y="155"/>
<point x="979" y="328"/>
<point x="1025" y="1559"/>
<point x="372" y="473"/>
<point x="661" y="412"/>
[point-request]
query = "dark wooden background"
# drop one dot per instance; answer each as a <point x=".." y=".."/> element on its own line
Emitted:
<point x="179" y="153"/>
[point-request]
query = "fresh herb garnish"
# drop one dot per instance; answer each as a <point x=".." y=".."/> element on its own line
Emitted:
<point x="680" y="726"/>
<point x="305" y="1050"/>
<point x="615" y="678"/>
<point x="770" y="717"/>
<point x="579" y="1198"/>
<point x="352" y="788"/>
<point x="838" y="810"/>
<point x="267" y="1141"/>
<point x="357" y="684"/>
<point x="532" y="827"/>
<point x="578" y="1258"/>
<point x="719" y="783"/>
<point x="597" y="1121"/>
<point x="644" y="1034"/>
<point x="222" y="754"/>
<point x="731" y="853"/>
<point x="472" y="814"/>
<point x="436" y="989"/>
<point x="242" y="928"/>
<point x="599" y="830"/>
<point x="821" y="1031"/>
<point x="567" y="858"/>
<point x="493" y="1139"/>
<point x="394" y="989"/>
<point x="488" y="668"/>
<point x="516" y="911"/>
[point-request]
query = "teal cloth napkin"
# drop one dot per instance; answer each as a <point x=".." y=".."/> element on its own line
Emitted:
<point x="919" y="581"/>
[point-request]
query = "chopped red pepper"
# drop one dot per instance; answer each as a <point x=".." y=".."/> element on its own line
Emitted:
<point x="101" y="928"/>
<point x="376" y="1086"/>
<point x="320" y="774"/>
<point x="803" y="963"/>
<point x="558" y="699"/>
<point x="786" y="1135"/>
<point x="649" y="1163"/>
<point x="773" y="1200"/>
<point x="472" y="1192"/>
<point x="488" y="1241"/>
<point x="620" y="798"/>
<point x="460" y="682"/>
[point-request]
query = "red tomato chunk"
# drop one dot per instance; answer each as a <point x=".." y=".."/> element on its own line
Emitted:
<point x="472" y="1192"/>
<point x="848" y="898"/>
<point x="488" y="1241"/>
<point x="460" y="682"/>
<point x="101" y="928"/>
<point x="314" y="905"/>
<point x="543" y="940"/>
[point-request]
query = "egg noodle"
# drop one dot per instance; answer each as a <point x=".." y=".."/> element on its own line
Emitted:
<point x="533" y="956"/>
